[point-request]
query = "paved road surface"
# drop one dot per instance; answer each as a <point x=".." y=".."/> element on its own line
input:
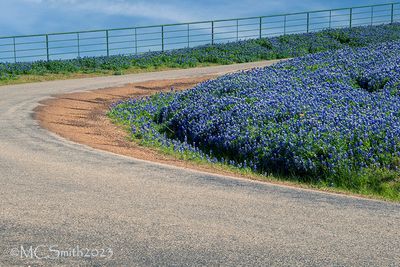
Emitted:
<point x="56" y="195"/>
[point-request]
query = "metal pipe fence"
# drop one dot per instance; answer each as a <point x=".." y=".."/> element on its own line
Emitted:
<point x="135" y="40"/>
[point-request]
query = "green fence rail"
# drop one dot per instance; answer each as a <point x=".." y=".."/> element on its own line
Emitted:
<point x="141" y="39"/>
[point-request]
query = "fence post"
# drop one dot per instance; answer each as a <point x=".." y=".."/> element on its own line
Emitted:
<point x="237" y="30"/>
<point x="260" y="27"/>
<point x="79" y="45"/>
<point x="47" y="47"/>
<point x="351" y="17"/>
<point x="330" y="19"/>
<point x="136" y="41"/>
<point x="372" y="15"/>
<point x="188" y="35"/>
<point x="308" y="22"/>
<point x="284" y="25"/>
<point x="108" y="44"/>
<point x="162" y="38"/>
<point x="392" y="14"/>
<point x="212" y="32"/>
<point x="15" y="51"/>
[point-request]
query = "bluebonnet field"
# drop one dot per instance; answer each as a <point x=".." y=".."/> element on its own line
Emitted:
<point x="236" y="52"/>
<point x="330" y="118"/>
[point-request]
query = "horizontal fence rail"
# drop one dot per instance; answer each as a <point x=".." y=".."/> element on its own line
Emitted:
<point x="135" y="40"/>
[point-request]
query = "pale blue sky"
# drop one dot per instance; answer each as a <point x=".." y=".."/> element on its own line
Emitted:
<point x="41" y="16"/>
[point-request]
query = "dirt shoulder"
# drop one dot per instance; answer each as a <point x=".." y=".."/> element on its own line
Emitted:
<point x="81" y="117"/>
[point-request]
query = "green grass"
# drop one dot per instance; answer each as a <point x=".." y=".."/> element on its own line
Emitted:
<point x="385" y="185"/>
<point x="34" y="78"/>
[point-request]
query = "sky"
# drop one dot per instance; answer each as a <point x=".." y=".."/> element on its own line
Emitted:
<point x="22" y="17"/>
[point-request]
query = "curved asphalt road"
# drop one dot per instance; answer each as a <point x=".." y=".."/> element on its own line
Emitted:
<point x="61" y="195"/>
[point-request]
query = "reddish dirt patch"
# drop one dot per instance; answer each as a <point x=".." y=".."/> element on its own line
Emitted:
<point x="81" y="117"/>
